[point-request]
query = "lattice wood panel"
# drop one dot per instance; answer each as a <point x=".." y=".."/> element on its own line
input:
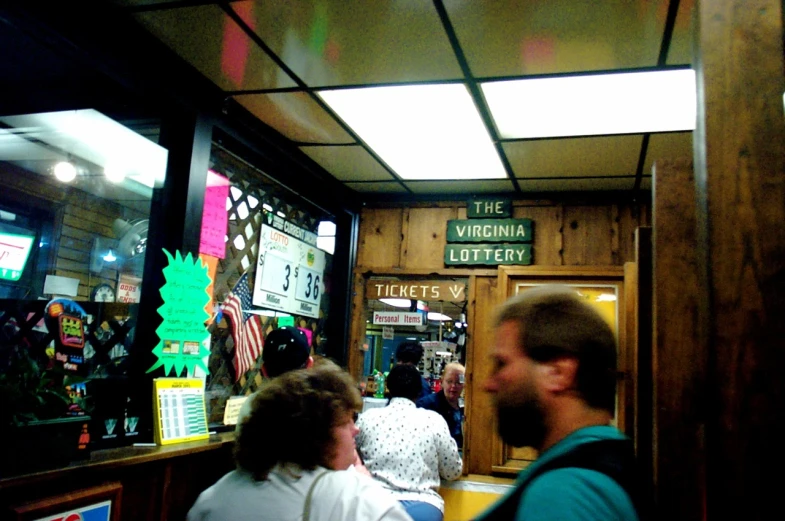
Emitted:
<point x="108" y="331"/>
<point x="251" y="191"/>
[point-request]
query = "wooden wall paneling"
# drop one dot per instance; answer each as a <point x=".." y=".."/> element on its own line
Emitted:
<point x="631" y="216"/>
<point x="45" y="188"/>
<point x="630" y="384"/>
<point x="185" y="478"/>
<point x="481" y="418"/>
<point x="679" y="358"/>
<point x="380" y="238"/>
<point x="425" y="237"/>
<point x="587" y="235"/>
<point x="640" y="335"/>
<point x="355" y="356"/>
<point x="615" y="253"/>
<point x="469" y="361"/>
<point x="548" y="238"/>
<point x="739" y="165"/>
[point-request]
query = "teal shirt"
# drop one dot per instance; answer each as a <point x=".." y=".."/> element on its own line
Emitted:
<point x="570" y="494"/>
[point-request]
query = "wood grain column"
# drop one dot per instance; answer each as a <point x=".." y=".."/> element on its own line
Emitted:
<point x="678" y="354"/>
<point x="740" y="188"/>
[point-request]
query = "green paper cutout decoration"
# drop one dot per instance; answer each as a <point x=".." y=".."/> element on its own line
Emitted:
<point x="183" y="332"/>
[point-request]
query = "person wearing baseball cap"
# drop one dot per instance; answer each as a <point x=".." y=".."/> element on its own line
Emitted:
<point x="285" y="349"/>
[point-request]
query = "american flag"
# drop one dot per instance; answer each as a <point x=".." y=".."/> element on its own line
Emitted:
<point x="246" y="327"/>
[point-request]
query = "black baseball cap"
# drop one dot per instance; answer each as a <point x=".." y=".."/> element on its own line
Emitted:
<point x="285" y="349"/>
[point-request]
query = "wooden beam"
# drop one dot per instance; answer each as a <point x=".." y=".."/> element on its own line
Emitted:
<point x="740" y="188"/>
<point x="678" y="357"/>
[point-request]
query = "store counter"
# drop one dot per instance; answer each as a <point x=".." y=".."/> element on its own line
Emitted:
<point x="156" y="482"/>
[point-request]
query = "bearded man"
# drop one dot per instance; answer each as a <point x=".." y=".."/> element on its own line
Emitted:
<point x="554" y="388"/>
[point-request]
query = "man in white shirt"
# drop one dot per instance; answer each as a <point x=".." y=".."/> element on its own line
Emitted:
<point x="409" y="449"/>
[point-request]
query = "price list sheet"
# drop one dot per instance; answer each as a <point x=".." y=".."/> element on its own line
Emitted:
<point x="179" y="410"/>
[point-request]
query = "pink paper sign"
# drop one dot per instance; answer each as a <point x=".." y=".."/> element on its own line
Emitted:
<point x="214" y="216"/>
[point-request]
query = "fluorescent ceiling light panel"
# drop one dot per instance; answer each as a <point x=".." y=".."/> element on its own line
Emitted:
<point x="95" y="137"/>
<point x="599" y="104"/>
<point x="421" y="131"/>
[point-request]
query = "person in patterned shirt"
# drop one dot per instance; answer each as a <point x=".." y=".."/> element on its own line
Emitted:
<point x="408" y="449"/>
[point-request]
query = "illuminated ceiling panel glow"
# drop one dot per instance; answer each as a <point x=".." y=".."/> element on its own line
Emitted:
<point x="421" y="131"/>
<point x="598" y="104"/>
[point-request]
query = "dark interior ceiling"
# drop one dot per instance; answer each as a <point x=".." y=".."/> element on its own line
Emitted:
<point x="267" y="59"/>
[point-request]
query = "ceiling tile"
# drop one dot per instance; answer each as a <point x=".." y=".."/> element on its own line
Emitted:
<point x="208" y="39"/>
<point x="460" y="187"/>
<point x="348" y="163"/>
<point x="566" y="185"/>
<point x="515" y="37"/>
<point x="144" y="2"/>
<point x="574" y="157"/>
<point x="352" y="42"/>
<point x="667" y="146"/>
<point x="382" y="187"/>
<point x="680" y="50"/>
<point x="295" y="115"/>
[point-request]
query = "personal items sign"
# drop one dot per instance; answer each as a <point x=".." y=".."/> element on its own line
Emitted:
<point x="397" y="318"/>
<point x="182" y="334"/>
<point x="290" y="271"/>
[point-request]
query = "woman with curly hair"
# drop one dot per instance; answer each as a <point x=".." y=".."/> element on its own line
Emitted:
<point x="294" y="453"/>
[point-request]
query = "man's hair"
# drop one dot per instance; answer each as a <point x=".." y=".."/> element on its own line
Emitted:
<point x="409" y="352"/>
<point x="291" y="420"/>
<point x="404" y="382"/>
<point x="557" y="322"/>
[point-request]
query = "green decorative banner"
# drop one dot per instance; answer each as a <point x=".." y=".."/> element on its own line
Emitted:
<point x="487" y="254"/>
<point x="489" y="230"/>
<point x="183" y="332"/>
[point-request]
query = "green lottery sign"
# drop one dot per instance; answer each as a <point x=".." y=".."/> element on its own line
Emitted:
<point x="488" y="254"/>
<point x="489" y="230"/>
<point x="183" y="334"/>
<point x="489" y="241"/>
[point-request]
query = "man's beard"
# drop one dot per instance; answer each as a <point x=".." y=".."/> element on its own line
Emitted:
<point x="522" y="425"/>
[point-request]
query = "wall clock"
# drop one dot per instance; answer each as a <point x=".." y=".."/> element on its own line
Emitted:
<point x="102" y="293"/>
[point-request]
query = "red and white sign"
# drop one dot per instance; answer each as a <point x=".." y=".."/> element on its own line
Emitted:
<point x="397" y="318"/>
<point x="129" y="289"/>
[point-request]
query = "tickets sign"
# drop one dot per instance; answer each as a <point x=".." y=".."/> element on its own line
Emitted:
<point x="289" y="272"/>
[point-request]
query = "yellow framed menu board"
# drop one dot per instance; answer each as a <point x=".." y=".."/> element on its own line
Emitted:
<point x="178" y="410"/>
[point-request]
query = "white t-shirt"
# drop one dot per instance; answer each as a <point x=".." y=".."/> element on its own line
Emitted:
<point x="338" y="496"/>
<point x="408" y="450"/>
